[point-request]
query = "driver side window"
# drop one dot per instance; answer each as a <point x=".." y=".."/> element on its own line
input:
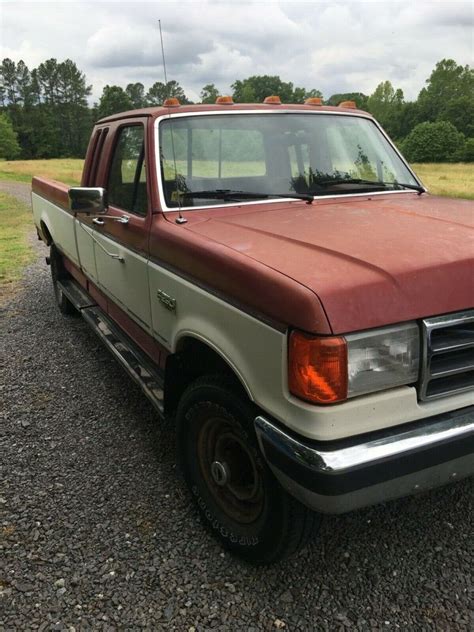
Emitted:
<point x="126" y="185"/>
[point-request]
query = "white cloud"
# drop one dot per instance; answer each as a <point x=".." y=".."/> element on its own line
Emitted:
<point x="333" y="46"/>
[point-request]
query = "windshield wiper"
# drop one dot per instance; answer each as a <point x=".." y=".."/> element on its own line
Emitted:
<point x="336" y="181"/>
<point x="231" y="195"/>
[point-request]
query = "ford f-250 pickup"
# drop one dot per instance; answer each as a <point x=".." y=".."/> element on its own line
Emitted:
<point x="278" y="281"/>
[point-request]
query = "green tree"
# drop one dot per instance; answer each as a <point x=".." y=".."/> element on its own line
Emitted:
<point x="359" y="99"/>
<point x="386" y="105"/>
<point x="113" y="100"/>
<point x="246" y="94"/>
<point x="301" y="94"/>
<point x="48" y="79"/>
<point x="433" y="142"/>
<point x="38" y="134"/>
<point x="209" y="93"/>
<point x="448" y="81"/>
<point x="35" y="122"/>
<point x="469" y="150"/>
<point x="254" y="90"/>
<point x="9" y="146"/>
<point x="73" y="114"/>
<point x="63" y="91"/>
<point x="23" y="83"/>
<point x="410" y="116"/>
<point x="136" y="94"/>
<point x="8" y="77"/>
<point x="159" y="91"/>
<point x="460" y="112"/>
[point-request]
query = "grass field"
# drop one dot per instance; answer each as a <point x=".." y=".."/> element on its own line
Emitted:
<point x="68" y="170"/>
<point x="447" y="179"/>
<point x="15" y="252"/>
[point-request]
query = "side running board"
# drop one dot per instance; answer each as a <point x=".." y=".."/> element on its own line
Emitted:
<point x="74" y="292"/>
<point x="129" y="355"/>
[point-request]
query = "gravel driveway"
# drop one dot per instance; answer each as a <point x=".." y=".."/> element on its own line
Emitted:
<point x="98" y="532"/>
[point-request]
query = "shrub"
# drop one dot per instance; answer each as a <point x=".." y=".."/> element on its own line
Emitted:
<point x="469" y="150"/>
<point x="434" y="142"/>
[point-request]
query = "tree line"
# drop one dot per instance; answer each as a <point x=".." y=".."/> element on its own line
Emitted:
<point x="44" y="112"/>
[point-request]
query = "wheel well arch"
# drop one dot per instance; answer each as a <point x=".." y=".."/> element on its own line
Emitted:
<point x="46" y="233"/>
<point x="194" y="358"/>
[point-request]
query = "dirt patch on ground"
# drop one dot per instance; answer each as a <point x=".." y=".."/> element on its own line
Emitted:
<point x="20" y="190"/>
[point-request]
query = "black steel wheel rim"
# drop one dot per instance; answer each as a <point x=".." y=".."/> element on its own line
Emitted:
<point x="230" y="470"/>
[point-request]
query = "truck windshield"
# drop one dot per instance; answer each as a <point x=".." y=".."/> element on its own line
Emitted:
<point x="219" y="159"/>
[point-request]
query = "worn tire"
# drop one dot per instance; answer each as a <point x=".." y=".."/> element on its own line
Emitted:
<point x="58" y="273"/>
<point x="251" y="514"/>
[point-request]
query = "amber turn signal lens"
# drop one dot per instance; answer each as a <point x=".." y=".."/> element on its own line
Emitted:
<point x="224" y="100"/>
<point x="317" y="368"/>
<point x="348" y="104"/>
<point x="172" y="102"/>
<point x="272" y="99"/>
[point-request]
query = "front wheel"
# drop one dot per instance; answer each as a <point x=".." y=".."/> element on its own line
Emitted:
<point x="237" y="496"/>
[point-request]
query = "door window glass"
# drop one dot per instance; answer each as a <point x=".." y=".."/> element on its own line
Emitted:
<point x="127" y="177"/>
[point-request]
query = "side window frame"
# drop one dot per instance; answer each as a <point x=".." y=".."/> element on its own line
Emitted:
<point x="93" y="156"/>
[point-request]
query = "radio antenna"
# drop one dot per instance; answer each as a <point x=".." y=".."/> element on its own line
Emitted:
<point x="180" y="219"/>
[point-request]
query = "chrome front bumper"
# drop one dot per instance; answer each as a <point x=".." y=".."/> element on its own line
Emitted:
<point x="338" y="476"/>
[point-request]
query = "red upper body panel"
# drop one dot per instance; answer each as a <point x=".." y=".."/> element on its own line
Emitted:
<point x="371" y="261"/>
<point x="339" y="265"/>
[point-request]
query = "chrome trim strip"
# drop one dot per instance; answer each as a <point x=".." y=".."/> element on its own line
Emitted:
<point x="450" y="426"/>
<point x="166" y="209"/>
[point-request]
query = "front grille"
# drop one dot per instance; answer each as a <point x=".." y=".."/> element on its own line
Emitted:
<point x="448" y="355"/>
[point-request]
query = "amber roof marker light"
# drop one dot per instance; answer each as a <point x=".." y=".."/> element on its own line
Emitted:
<point x="224" y="100"/>
<point x="313" y="101"/>
<point x="348" y="104"/>
<point x="171" y="102"/>
<point x="272" y="100"/>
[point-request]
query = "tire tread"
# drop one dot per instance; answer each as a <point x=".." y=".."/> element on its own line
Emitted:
<point x="299" y="522"/>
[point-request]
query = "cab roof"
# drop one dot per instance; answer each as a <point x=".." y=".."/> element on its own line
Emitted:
<point x="159" y="110"/>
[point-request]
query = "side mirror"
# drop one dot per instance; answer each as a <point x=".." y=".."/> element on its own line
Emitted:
<point x="88" y="200"/>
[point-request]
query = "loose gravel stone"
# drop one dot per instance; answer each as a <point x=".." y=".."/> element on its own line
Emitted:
<point x="91" y="497"/>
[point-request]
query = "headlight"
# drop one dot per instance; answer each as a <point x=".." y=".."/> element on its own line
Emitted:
<point x="326" y="370"/>
<point x="382" y="358"/>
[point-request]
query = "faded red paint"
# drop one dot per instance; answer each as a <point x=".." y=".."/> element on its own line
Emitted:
<point x="52" y="190"/>
<point x="255" y="286"/>
<point x="338" y="265"/>
<point x="75" y="272"/>
<point x="98" y="296"/>
<point x="371" y="261"/>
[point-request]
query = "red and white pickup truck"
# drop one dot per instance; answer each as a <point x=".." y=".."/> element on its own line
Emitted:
<point x="278" y="281"/>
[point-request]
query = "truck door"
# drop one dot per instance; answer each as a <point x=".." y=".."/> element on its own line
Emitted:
<point x="121" y="235"/>
<point x="83" y="223"/>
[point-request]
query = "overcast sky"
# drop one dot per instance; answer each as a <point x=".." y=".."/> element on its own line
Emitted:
<point x="338" y="46"/>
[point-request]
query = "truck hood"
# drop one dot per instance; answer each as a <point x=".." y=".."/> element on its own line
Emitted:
<point x="371" y="261"/>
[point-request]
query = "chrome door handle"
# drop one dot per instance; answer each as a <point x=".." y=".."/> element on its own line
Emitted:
<point x="100" y="221"/>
